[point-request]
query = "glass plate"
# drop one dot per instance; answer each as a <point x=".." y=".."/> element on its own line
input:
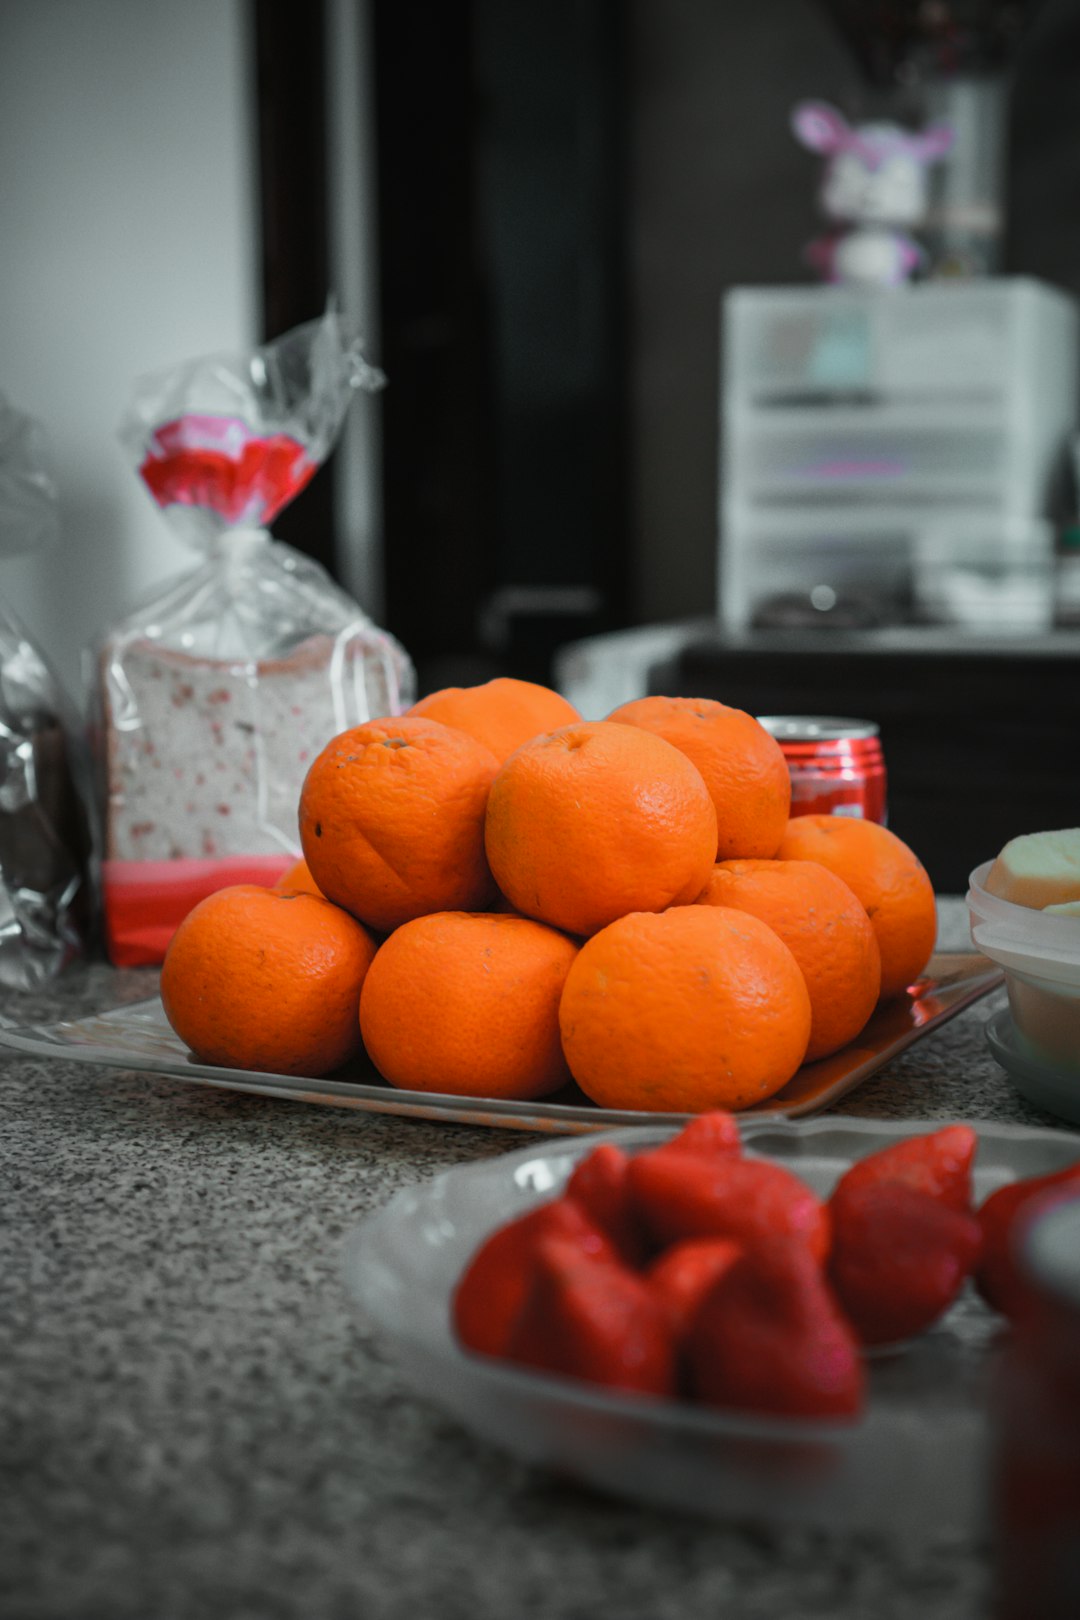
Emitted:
<point x="139" y="1037"/>
<point x="914" y="1465"/>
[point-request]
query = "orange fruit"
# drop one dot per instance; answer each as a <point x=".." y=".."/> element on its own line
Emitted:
<point x="299" y="877"/>
<point x="467" y="1003"/>
<point x="595" y="820"/>
<point x="698" y="1007"/>
<point x="255" y="978"/>
<point x="502" y="714"/>
<point x="392" y="820"/>
<point x="742" y="764"/>
<point x="827" y="931"/>
<point x="887" y="877"/>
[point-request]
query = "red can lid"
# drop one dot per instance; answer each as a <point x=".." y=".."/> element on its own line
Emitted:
<point x="815" y="728"/>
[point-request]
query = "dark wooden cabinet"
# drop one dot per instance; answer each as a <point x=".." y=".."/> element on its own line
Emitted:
<point x="980" y="736"/>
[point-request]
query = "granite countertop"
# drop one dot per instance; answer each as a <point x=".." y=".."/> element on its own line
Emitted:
<point x="196" y="1424"/>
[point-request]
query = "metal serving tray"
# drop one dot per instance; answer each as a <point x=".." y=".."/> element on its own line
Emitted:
<point x="139" y="1037"/>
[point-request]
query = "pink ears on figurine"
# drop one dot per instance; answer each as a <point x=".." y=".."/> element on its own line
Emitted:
<point x="822" y="128"/>
<point x="819" y="126"/>
<point x="874" y="187"/>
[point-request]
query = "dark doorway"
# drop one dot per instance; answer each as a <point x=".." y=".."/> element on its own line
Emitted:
<point x="501" y="205"/>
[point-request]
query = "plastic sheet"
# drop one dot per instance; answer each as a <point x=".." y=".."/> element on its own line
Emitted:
<point x="46" y="906"/>
<point x="211" y="698"/>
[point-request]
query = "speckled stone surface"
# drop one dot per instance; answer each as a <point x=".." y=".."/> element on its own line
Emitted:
<point x="196" y="1425"/>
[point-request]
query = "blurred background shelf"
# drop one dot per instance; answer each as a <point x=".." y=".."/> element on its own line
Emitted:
<point x="919" y="408"/>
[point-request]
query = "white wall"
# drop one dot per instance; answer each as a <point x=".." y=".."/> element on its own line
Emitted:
<point x="127" y="242"/>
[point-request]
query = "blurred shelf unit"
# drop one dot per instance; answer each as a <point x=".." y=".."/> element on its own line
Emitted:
<point x="852" y="421"/>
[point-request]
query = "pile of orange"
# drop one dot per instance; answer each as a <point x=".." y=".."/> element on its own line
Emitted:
<point x="497" y="896"/>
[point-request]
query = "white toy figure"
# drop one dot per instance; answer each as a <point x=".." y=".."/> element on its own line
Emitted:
<point x="874" y="185"/>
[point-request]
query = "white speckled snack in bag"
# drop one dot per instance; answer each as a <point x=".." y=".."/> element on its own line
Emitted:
<point x="213" y="696"/>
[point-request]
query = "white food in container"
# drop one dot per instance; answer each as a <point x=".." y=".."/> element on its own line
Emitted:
<point x="1040" y="953"/>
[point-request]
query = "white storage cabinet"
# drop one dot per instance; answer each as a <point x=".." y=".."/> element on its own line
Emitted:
<point x="852" y="421"/>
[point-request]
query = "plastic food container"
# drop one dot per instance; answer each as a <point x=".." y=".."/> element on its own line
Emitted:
<point x="1041" y="958"/>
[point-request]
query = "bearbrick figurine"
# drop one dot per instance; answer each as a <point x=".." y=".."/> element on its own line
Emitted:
<point x="874" y="187"/>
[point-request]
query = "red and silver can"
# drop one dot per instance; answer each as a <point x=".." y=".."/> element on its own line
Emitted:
<point x="837" y="767"/>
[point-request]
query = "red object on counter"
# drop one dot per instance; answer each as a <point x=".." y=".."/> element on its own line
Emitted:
<point x="837" y="766"/>
<point x="1035" y="1410"/>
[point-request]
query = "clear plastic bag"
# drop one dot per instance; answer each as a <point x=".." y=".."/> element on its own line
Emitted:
<point x="213" y="696"/>
<point x="46" y="902"/>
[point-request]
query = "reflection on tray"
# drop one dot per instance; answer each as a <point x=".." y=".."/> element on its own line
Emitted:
<point x="139" y="1037"/>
